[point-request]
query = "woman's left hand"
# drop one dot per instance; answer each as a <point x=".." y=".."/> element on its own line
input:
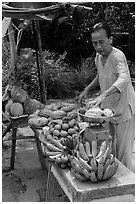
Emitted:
<point x="97" y="101"/>
<point x="100" y="99"/>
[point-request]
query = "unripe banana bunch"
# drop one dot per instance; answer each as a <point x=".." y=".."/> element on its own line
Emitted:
<point x="58" y="151"/>
<point x="55" y="151"/>
<point x="93" y="164"/>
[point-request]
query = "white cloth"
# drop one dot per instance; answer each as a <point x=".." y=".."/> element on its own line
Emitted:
<point x="125" y="135"/>
<point x="115" y="72"/>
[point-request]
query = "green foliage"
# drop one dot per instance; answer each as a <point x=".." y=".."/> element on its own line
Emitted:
<point x="5" y="63"/>
<point x="71" y="34"/>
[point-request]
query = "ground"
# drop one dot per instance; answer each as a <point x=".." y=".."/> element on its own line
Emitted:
<point x="27" y="182"/>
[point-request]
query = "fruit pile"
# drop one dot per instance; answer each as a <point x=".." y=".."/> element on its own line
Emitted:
<point x="98" y="112"/>
<point x="63" y="128"/>
<point x="59" y="151"/>
<point x="92" y="162"/>
<point x="20" y="103"/>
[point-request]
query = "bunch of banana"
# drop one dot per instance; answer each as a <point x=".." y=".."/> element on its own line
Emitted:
<point x="56" y="153"/>
<point x="92" y="164"/>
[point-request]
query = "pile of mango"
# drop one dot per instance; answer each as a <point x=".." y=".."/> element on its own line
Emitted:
<point x="63" y="128"/>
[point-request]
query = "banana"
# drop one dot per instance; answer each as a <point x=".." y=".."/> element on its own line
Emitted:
<point x="78" y="168"/>
<point x="72" y="171"/>
<point x="82" y="151"/>
<point x="76" y="159"/>
<point x="58" y="160"/>
<point x="107" y="153"/>
<point x="73" y="160"/>
<point x="102" y="149"/>
<point x="86" y="173"/>
<point x="63" y="165"/>
<point x="50" y="153"/>
<point x="112" y="159"/>
<point x="87" y="148"/>
<point x="115" y="167"/>
<point x="64" y="158"/>
<point x="53" y="158"/>
<point x="101" y="160"/>
<point x="84" y="164"/>
<point x="56" y="143"/>
<point x="100" y="171"/>
<point x="53" y="148"/>
<point x="107" y="172"/>
<point x="93" y="177"/>
<point x="78" y="154"/>
<point x="94" y="148"/>
<point x="110" y="171"/>
<point x="106" y="164"/>
<point x="80" y="177"/>
<point x="69" y="142"/>
<point x="93" y="164"/>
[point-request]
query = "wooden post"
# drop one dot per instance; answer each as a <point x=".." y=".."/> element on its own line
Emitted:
<point x="38" y="48"/>
<point x="13" y="52"/>
<point x="44" y="91"/>
<point x="37" y="56"/>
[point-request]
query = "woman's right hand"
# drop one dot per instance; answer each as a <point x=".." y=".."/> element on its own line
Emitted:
<point x="91" y="104"/>
<point x="82" y="96"/>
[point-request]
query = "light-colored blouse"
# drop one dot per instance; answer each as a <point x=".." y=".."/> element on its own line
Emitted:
<point x="116" y="72"/>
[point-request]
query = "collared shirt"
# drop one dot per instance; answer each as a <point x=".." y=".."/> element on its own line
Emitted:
<point x="116" y="72"/>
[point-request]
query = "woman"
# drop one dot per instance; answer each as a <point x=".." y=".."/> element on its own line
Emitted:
<point x="117" y="92"/>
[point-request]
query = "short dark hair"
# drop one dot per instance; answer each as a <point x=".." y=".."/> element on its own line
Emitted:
<point x="102" y="25"/>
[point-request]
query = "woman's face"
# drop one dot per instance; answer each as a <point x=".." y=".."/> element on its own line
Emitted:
<point x="101" y="42"/>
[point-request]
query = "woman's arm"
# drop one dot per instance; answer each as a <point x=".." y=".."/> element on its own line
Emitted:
<point x="119" y="85"/>
<point x="92" y="85"/>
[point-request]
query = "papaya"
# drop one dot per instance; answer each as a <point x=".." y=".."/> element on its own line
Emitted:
<point x="8" y="106"/>
<point x="18" y="94"/>
<point x="58" y="114"/>
<point x="68" y="108"/>
<point x="29" y="106"/>
<point x="45" y="112"/>
<point x="21" y="95"/>
<point x="16" y="109"/>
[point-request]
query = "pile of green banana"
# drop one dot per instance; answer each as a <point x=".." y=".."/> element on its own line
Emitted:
<point x="93" y="163"/>
<point x="58" y="151"/>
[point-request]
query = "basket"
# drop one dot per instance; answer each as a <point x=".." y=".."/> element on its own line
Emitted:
<point x="90" y="119"/>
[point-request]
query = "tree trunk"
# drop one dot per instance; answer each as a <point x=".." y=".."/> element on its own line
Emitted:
<point x="38" y="49"/>
<point x="13" y="52"/>
<point x="42" y="72"/>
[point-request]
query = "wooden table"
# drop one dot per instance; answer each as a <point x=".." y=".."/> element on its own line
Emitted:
<point x="121" y="187"/>
<point x="14" y="124"/>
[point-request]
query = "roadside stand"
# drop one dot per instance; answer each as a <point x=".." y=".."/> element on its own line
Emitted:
<point x="75" y="147"/>
<point x="82" y="161"/>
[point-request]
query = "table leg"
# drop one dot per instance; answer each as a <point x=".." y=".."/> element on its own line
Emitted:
<point x="39" y="148"/>
<point x="50" y="185"/>
<point x="13" y="148"/>
<point x="40" y="153"/>
<point x="7" y="129"/>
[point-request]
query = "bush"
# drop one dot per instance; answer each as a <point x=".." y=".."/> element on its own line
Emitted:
<point x="5" y="63"/>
